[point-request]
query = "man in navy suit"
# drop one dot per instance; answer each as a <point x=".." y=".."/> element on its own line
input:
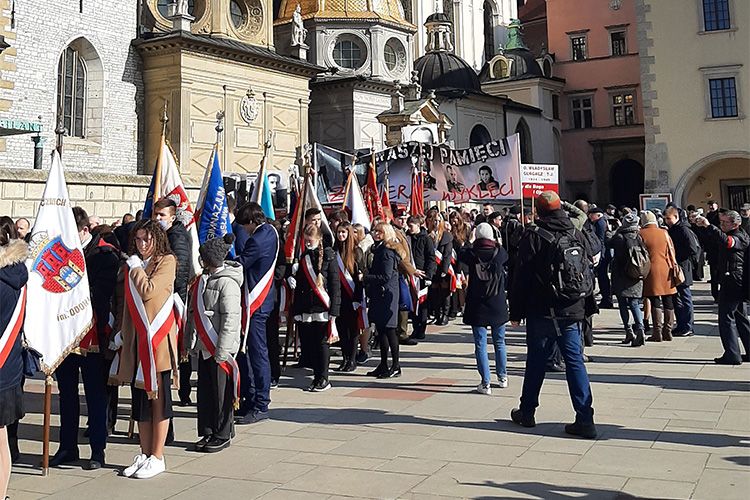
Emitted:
<point x="258" y="257"/>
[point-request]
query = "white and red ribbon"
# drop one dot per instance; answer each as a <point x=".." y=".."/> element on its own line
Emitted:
<point x="252" y="299"/>
<point x="210" y="337"/>
<point x="13" y="328"/>
<point x="309" y="272"/>
<point x="451" y="271"/>
<point x="347" y="283"/>
<point x="90" y="343"/>
<point x="149" y="335"/>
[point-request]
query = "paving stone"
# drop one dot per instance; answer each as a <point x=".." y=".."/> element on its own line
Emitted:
<point x="654" y="488"/>
<point x="724" y="484"/>
<point x="357" y="483"/>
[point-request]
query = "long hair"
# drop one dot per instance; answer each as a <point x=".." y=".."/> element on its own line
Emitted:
<point x="159" y="235"/>
<point x="347" y="248"/>
<point x="7" y="230"/>
<point x="313" y="231"/>
<point x="437" y="234"/>
<point x="459" y="229"/>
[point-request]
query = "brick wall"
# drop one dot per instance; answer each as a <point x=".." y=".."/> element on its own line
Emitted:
<point x="42" y="31"/>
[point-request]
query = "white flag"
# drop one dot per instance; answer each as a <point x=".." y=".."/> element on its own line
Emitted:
<point x="59" y="303"/>
<point x="173" y="188"/>
<point x="355" y="204"/>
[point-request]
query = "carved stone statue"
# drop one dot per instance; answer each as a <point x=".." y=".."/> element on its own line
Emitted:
<point x="299" y="33"/>
<point x="182" y="8"/>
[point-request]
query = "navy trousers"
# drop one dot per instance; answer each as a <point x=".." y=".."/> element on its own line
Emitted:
<point x="733" y="323"/>
<point x="541" y="336"/>
<point x="255" y="368"/>
<point x="95" y="390"/>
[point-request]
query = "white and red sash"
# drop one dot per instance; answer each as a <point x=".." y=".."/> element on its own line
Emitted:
<point x="210" y="337"/>
<point x="309" y="272"/>
<point x="451" y="271"/>
<point x="347" y="283"/>
<point x="418" y="295"/>
<point x="8" y="340"/>
<point x="149" y="335"/>
<point x="251" y="300"/>
<point x="90" y="343"/>
<point x="180" y="317"/>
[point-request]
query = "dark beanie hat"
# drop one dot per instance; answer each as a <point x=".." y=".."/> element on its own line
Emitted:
<point x="548" y="201"/>
<point x="214" y="251"/>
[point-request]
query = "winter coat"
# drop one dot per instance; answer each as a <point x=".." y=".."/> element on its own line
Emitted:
<point x="306" y="301"/>
<point x="622" y="284"/>
<point x="102" y="264"/>
<point x="402" y="247"/>
<point x="13" y="276"/>
<point x="155" y="285"/>
<point x="347" y="308"/>
<point x="179" y="241"/>
<point x="257" y="257"/>
<point x="381" y="285"/>
<point x="445" y="247"/>
<point x="661" y="252"/>
<point x="423" y="253"/>
<point x="729" y="249"/>
<point x="481" y="310"/>
<point x="530" y="293"/>
<point x="685" y="250"/>
<point x="221" y="295"/>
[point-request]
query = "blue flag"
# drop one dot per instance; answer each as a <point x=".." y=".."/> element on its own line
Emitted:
<point x="149" y="206"/>
<point x="214" y="220"/>
<point x="262" y="195"/>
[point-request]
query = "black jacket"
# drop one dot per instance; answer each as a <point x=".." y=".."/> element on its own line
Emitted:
<point x="685" y="247"/>
<point x="531" y="294"/>
<point x="13" y="276"/>
<point x="481" y="310"/>
<point x="622" y="284"/>
<point x="510" y="225"/>
<point x="179" y="241"/>
<point x="103" y="263"/>
<point x="445" y="247"/>
<point x="423" y="253"/>
<point x="306" y="301"/>
<point x="381" y="285"/>
<point x="729" y="249"/>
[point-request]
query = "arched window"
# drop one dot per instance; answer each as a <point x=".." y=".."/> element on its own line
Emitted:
<point x="524" y="135"/>
<point x="489" y="31"/>
<point x="479" y="135"/>
<point x="500" y="68"/>
<point x="80" y="91"/>
<point x="408" y="11"/>
<point x="71" y="92"/>
<point x="448" y="11"/>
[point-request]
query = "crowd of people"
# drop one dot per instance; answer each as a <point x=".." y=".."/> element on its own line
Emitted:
<point x="361" y="292"/>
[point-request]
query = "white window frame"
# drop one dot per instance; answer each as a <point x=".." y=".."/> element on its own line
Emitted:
<point x="585" y="36"/>
<point x="702" y="19"/>
<point x="612" y="31"/>
<point x="716" y="72"/>
<point x="571" y="109"/>
<point x="623" y="91"/>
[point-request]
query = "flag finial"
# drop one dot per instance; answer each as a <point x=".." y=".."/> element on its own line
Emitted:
<point x="164" y="119"/>
<point x="219" y="125"/>
<point x="60" y="132"/>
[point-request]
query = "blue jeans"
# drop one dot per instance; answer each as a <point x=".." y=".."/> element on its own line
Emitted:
<point x="683" y="309"/>
<point x="480" y="351"/>
<point x="541" y="335"/>
<point x="629" y="305"/>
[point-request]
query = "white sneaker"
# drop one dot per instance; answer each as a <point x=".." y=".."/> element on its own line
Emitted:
<point x="139" y="460"/>
<point x="502" y="382"/>
<point x="484" y="389"/>
<point x="152" y="467"/>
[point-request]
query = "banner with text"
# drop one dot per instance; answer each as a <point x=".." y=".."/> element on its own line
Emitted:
<point x="538" y="177"/>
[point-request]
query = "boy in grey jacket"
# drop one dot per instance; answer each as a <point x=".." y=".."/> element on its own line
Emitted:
<point x="213" y="334"/>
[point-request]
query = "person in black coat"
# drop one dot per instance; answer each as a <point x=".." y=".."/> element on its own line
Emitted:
<point x="165" y="211"/>
<point x="13" y="276"/>
<point x="381" y="285"/>
<point x="486" y="304"/>
<point x="440" y="289"/>
<point x="349" y="257"/>
<point x="628" y="290"/>
<point x="686" y="248"/>
<point x="317" y="303"/>
<point x="423" y="253"/>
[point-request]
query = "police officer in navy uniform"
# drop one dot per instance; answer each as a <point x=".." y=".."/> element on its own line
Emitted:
<point x="102" y="265"/>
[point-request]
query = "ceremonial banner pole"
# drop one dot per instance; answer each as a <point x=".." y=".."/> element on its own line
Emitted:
<point x="158" y="174"/>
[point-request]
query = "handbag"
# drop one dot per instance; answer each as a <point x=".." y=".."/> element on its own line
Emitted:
<point x="676" y="275"/>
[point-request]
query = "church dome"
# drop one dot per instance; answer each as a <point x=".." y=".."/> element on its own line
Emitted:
<point x="446" y="71"/>
<point x="524" y="63"/>
<point x="389" y="11"/>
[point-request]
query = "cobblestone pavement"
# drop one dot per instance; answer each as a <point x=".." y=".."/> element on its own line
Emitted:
<point x="671" y="425"/>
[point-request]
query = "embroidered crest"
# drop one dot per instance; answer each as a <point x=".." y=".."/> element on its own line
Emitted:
<point x="60" y="267"/>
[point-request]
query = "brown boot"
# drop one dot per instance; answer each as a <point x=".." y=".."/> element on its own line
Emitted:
<point x="657" y="316"/>
<point x="666" y="332"/>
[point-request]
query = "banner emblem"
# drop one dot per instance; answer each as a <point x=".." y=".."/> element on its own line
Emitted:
<point x="61" y="268"/>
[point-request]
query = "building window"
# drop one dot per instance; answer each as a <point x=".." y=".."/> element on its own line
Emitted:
<point x="237" y="14"/>
<point x="578" y="47"/>
<point x="623" y="109"/>
<point x="348" y="53"/>
<point x="394" y="54"/>
<point x="617" y="43"/>
<point x="582" y="112"/>
<point x="555" y="106"/>
<point x="71" y="92"/>
<point x="489" y="31"/>
<point x="500" y="68"/>
<point x="723" y="97"/>
<point x="716" y="15"/>
<point x="524" y="137"/>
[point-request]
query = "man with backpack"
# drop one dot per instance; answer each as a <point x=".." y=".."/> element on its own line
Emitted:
<point x="630" y="265"/>
<point x="686" y="248"/>
<point x="553" y="279"/>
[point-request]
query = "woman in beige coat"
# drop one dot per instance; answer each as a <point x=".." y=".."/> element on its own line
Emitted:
<point x="657" y="287"/>
<point x="152" y="270"/>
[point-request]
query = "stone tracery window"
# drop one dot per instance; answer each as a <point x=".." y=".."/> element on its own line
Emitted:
<point x="71" y="92"/>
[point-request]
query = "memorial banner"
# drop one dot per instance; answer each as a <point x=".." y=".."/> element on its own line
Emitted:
<point x="538" y="177"/>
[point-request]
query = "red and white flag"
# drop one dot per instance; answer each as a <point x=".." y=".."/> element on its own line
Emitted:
<point x="354" y="204"/>
<point x="58" y="285"/>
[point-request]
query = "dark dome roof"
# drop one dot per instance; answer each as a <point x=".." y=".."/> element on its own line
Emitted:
<point x="437" y="17"/>
<point x="524" y="63"/>
<point x="445" y="70"/>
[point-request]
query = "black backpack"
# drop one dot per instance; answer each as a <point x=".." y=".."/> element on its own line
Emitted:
<point x="569" y="270"/>
<point x="638" y="263"/>
<point x="489" y="275"/>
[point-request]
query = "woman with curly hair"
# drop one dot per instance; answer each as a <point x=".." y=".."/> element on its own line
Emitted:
<point x="148" y="340"/>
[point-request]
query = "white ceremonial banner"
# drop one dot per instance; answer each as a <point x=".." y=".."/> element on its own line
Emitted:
<point x="59" y="304"/>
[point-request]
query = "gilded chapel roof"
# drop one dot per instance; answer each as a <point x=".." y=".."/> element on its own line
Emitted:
<point x="390" y="11"/>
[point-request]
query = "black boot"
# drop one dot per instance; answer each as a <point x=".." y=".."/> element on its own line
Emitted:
<point x="629" y="337"/>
